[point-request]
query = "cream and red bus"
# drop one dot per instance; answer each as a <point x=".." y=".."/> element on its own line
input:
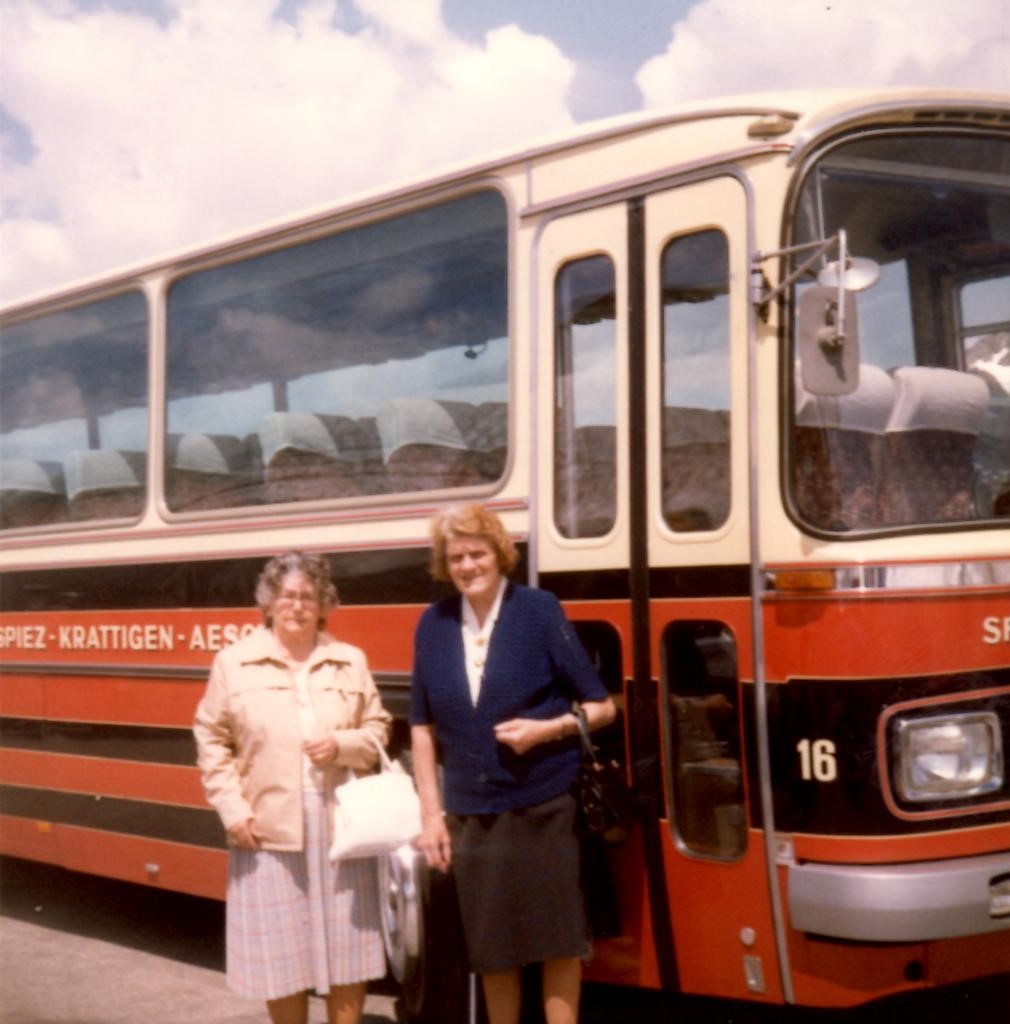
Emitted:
<point x="737" y="378"/>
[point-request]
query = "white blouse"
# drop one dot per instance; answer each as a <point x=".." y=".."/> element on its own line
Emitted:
<point x="476" y="639"/>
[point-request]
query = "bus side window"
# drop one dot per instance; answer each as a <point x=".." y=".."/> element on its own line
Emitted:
<point x="585" y="411"/>
<point x="696" y="417"/>
<point x="73" y="415"/>
<point x="367" y="362"/>
<point x="700" y="666"/>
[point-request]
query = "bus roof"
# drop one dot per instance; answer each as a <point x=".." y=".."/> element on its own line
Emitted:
<point x="792" y="118"/>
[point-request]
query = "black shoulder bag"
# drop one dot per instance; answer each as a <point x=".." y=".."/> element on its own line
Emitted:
<point x="606" y="804"/>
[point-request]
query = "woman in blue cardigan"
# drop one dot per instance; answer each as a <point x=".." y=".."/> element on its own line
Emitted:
<point x="496" y="669"/>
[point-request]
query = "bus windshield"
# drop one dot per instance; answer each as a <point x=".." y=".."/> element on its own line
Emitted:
<point x="925" y="437"/>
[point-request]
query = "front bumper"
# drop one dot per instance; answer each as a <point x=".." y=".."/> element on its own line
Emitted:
<point x="901" y="902"/>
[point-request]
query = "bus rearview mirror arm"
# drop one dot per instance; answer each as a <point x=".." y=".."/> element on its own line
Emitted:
<point x="828" y="332"/>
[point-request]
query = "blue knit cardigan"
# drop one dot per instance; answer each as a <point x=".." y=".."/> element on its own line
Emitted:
<point x="535" y="668"/>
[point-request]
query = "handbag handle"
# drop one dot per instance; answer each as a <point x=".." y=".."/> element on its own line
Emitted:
<point x="384" y="760"/>
<point x="580" y="720"/>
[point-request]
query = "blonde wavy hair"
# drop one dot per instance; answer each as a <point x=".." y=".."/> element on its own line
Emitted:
<point x="469" y="521"/>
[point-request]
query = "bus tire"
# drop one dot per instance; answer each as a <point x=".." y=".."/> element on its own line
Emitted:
<point x="424" y="940"/>
<point x="400" y="913"/>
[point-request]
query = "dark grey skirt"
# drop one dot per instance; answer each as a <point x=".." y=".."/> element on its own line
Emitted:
<point x="518" y="880"/>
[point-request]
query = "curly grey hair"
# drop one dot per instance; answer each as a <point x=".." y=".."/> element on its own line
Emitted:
<point x="315" y="568"/>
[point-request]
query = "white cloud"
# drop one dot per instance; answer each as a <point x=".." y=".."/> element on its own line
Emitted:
<point x="733" y="46"/>
<point x="416" y="20"/>
<point x="148" y="136"/>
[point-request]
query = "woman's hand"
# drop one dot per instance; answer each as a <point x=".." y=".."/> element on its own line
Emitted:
<point x="322" y="749"/>
<point x="243" y="835"/>
<point x="434" y="841"/>
<point x="523" y="734"/>
<point x="435" y="844"/>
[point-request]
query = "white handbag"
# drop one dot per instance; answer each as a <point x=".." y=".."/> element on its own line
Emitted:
<point x="375" y="814"/>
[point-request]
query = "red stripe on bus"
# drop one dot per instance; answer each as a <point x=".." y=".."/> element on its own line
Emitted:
<point x="877" y="637"/>
<point x="187" y="638"/>
<point x="953" y="842"/>
<point x="22" y="696"/>
<point x="136" y="780"/>
<point x="113" y="699"/>
<point x="174" y="866"/>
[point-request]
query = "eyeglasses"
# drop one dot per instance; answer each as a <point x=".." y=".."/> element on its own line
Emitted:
<point x="293" y="597"/>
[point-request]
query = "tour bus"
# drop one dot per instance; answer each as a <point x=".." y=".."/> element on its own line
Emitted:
<point x="736" y="377"/>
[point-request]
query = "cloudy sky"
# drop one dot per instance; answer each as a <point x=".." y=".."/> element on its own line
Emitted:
<point x="132" y="128"/>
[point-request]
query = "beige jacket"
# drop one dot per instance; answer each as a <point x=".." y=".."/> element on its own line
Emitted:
<point x="249" y="747"/>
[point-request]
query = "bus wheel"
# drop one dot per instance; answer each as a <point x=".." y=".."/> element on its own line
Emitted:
<point x="401" y="912"/>
<point x="424" y="940"/>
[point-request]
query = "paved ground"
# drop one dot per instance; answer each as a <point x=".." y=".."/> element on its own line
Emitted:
<point x="81" y="950"/>
<point x="105" y="983"/>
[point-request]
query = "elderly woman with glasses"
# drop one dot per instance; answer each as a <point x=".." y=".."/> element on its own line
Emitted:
<point x="288" y="712"/>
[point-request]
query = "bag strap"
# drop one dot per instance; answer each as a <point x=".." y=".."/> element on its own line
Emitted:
<point x="384" y="760"/>
<point x="580" y="719"/>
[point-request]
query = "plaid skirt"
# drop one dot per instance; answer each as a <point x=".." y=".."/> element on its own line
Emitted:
<point x="296" y="922"/>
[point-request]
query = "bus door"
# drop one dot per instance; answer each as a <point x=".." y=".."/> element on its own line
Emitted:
<point x="642" y="530"/>
<point x="696" y="525"/>
<point x="580" y="538"/>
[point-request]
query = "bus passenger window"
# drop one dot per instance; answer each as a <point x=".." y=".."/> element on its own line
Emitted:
<point x="374" y="361"/>
<point x="696" y="397"/>
<point x="585" y="404"/>
<point x="700" y="669"/>
<point x="73" y="415"/>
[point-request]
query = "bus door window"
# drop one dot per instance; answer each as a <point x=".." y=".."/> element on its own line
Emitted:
<point x="924" y="437"/>
<point x="73" y="414"/>
<point x="374" y="361"/>
<point x="696" y="383"/>
<point x="585" y="403"/>
<point x="706" y="780"/>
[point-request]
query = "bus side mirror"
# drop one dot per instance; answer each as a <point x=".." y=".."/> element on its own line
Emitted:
<point x="828" y="341"/>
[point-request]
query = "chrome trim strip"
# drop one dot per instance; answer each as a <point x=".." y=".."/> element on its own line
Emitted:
<point x="908" y="576"/>
<point x="72" y="668"/>
<point x="392" y="680"/>
<point x="898" y="902"/>
<point x="758" y="590"/>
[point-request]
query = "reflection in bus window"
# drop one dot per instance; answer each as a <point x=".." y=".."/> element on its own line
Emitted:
<point x="925" y="437"/>
<point x="695" y="426"/>
<point x="73" y="415"/>
<point x="585" y="414"/>
<point x="700" y="664"/>
<point x="369" y="362"/>
<point x="985" y="329"/>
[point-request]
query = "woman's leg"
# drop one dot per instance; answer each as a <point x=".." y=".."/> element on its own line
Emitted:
<point x="503" y="994"/>
<point x="293" y="1009"/>
<point x="345" y="1003"/>
<point x="562" y="988"/>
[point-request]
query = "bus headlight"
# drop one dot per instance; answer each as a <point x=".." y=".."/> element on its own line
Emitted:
<point x="948" y="757"/>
